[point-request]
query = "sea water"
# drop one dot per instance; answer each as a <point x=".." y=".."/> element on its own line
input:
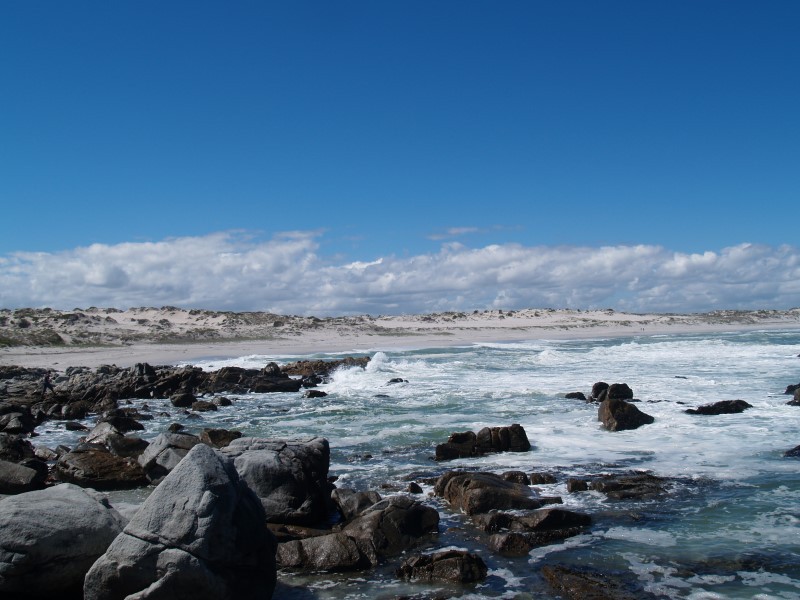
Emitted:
<point x="728" y="528"/>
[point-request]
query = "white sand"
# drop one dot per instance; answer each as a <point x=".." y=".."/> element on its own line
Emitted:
<point x="304" y="335"/>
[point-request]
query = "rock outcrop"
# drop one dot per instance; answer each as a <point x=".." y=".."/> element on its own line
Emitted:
<point x="200" y="535"/>
<point x="618" y="415"/>
<point x="488" y="440"/>
<point x="724" y="407"/>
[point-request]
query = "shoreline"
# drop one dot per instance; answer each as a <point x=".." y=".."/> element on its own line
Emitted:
<point x="330" y="341"/>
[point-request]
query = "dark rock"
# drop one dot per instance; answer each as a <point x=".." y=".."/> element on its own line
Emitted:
<point x="619" y="391"/>
<point x="15" y="419"/>
<point x="632" y="486"/>
<point x="165" y="452"/>
<point x="791" y="389"/>
<point x="122" y="422"/>
<point x="219" y="438"/>
<point x="520" y="543"/>
<point x="99" y="469"/>
<point x="15" y="448"/>
<point x="724" y="407"/>
<point x="516" y="477"/>
<point x="573" y="583"/>
<point x="175" y="428"/>
<point x="223" y="401"/>
<point x="183" y="399"/>
<point x="75" y="426"/>
<point x="598" y="389"/>
<point x="414" y="488"/>
<point x="315" y="394"/>
<point x="794" y="452"/>
<point x="204" y="406"/>
<point x="351" y="503"/>
<point x="395" y="380"/>
<point x="290" y="477"/>
<point x="393" y="525"/>
<point x="323" y="368"/>
<point x="577" y="485"/>
<point x="575" y="396"/>
<point x="458" y="566"/>
<point x="796" y="400"/>
<point x="475" y="493"/>
<point x="126" y="446"/>
<point x="544" y="519"/>
<point x="489" y="439"/>
<point x="542" y="478"/>
<point x="619" y="415"/>
<point x="16" y="478"/>
<point x="200" y="535"/>
<point x="334" y="552"/>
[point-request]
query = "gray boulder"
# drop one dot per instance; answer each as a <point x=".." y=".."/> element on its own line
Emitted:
<point x="165" y="452"/>
<point x="290" y="477"/>
<point x="18" y="478"/>
<point x="201" y="534"/>
<point x="458" y="566"/>
<point x="50" y="538"/>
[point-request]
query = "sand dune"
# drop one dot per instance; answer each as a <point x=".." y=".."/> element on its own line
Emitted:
<point x="168" y="335"/>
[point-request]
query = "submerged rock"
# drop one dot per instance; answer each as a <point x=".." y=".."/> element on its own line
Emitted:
<point x="576" y="583"/>
<point x="475" y="493"/>
<point x="724" y="407"/>
<point x="458" y="566"/>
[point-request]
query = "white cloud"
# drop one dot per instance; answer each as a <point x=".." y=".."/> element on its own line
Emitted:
<point x="235" y="271"/>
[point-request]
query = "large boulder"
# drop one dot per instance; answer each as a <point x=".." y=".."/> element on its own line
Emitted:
<point x="515" y="534"/>
<point x="201" y="534"/>
<point x="290" y="477"/>
<point x="488" y="440"/>
<point x="18" y="478"/>
<point x="50" y="538"/>
<point x="618" y="415"/>
<point x="475" y="493"/>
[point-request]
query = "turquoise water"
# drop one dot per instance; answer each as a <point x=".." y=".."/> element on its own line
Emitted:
<point x="730" y="527"/>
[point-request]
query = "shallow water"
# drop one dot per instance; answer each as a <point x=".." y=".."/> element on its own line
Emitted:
<point x="730" y="527"/>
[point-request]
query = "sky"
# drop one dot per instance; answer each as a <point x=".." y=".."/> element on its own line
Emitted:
<point x="360" y="157"/>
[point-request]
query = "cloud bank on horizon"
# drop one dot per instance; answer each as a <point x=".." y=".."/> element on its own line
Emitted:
<point x="286" y="274"/>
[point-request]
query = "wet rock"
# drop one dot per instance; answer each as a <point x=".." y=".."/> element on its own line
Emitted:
<point x="289" y="476"/>
<point x="99" y="469"/>
<point x="223" y="401"/>
<point x="619" y="415"/>
<point x="15" y="448"/>
<point x="458" y="566"/>
<point x="351" y="503"/>
<point x="542" y="478"/>
<point x="791" y="389"/>
<point x="796" y="400"/>
<point x="323" y="368"/>
<point x="393" y="525"/>
<point x="16" y="419"/>
<point x="122" y="422"/>
<point x="724" y="407"/>
<point x="75" y="426"/>
<point x="183" y="399"/>
<point x="633" y="486"/>
<point x="126" y="445"/>
<point x="204" y="406"/>
<point x="315" y="394"/>
<point x="219" y="438"/>
<point x="520" y="543"/>
<point x="334" y="552"/>
<point x="575" y="396"/>
<point x="544" y="519"/>
<point x="200" y="534"/>
<point x="516" y="477"/>
<point x="619" y="391"/>
<point x="50" y="538"/>
<point x="598" y="390"/>
<point x="475" y="493"/>
<point x="414" y="488"/>
<point x="794" y="452"/>
<point x="488" y="440"/>
<point x="574" y="583"/>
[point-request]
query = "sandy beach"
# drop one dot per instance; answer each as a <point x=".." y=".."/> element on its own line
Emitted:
<point x="169" y="335"/>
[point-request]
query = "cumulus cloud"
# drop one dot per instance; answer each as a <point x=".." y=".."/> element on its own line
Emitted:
<point x="285" y="274"/>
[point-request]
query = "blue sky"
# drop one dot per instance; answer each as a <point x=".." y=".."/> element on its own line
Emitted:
<point x="309" y="137"/>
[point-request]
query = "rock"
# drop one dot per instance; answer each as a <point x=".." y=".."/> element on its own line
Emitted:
<point x="15" y="419"/>
<point x="126" y="445"/>
<point x="544" y="519"/>
<point x="520" y="543"/>
<point x="414" y="488"/>
<point x="204" y="406"/>
<point x="393" y="525"/>
<point x="219" y="438"/>
<point x="323" y="368"/>
<point x="619" y="391"/>
<point x="165" y="452"/>
<point x="542" y="478"/>
<point x="489" y="439"/>
<point x="15" y="448"/>
<point x="475" y="493"/>
<point x="100" y="433"/>
<point x="631" y="486"/>
<point x="796" y="400"/>
<point x="290" y="477"/>
<point x="332" y="552"/>
<point x="791" y="389"/>
<point x="516" y="477"/>
<point x="223" y="401"/>
<point x="50" y="538"/>
<point x="618" y="415"/>
<point x="573" y="583"/>
<point x="575" y="396"/>
<point x="598" y="389"/>
<point x="314" y="394"/>
<point x="352" y="503"/>
<point x="458" y="566"/>
<point x="16" y="478"/>
<point x="199" y="535"/>
<point x="99" y="469"/>
<point x="724" y="407"/>
<point x="75" y="426"/>
<point x="794" y="452"/>
<point x="183" y="399"/>
<point x="121" y="422"/>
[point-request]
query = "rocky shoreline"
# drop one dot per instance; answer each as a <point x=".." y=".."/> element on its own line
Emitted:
<point x="229" y="513"/>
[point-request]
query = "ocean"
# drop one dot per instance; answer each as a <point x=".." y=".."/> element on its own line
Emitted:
<point x="728" y="528"/>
